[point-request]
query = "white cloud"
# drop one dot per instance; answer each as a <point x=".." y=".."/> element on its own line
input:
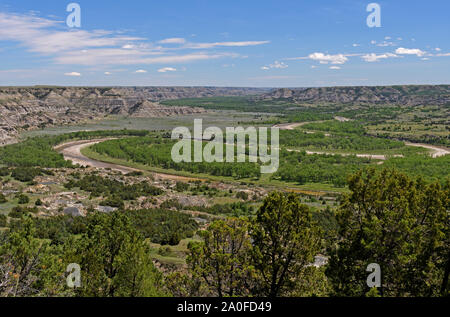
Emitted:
<point x="100" y="47"/>
<point x="373" y="42"/>
<point x="313" y="66"/>
<point x="443" y="54"/>
<point x="185" y="58"/>
<point x="73" y="74"/>
<point x="173" y="40"/>
<point x="130" y="57"/>
<point x="325" y="59"/>
<point x="384" y="44"/>
<point x="437" y="49"/>
<point x="224" y="44"/>
<point x="410" y="51"/>
<point x="108" y="73"/>
<point x="167" y="69"/>
<point x="425" y="59"/>
<point x="387" y="38"/>
<point x="356" y="45"/>
<point x="140" y="71"/>
<point x="35" y="33"/>
<point x="335" y="67"/>
<point x="375" y="58"/>
<point x="276" y="64"/>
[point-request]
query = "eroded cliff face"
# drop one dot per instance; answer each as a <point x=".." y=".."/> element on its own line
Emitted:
<point x="25" y="108"/>
<point x="393" y="95"/>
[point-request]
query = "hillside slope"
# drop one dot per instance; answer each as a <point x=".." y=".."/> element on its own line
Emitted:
<point x="399" y="95"/>
<point x="23" y="108"/>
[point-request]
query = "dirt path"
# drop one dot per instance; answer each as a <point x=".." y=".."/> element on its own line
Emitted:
<point x="342" y="119"/>
<point x="289" y="126"/>
<point x="72" y="151"/>
<point x="370" y="156"/>
<point x="435" y="150"/>
<point x="293" y="125"/>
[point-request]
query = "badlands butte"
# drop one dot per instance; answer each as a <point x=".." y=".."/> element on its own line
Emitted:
<point x="420" y="95"/>
<point x="25" y="108"/>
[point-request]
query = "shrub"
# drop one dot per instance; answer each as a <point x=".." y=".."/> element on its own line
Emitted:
<point x="3" y="220"/>
<point x="23" y="199"/>
<point x="242" y="195"/>
<point x="181" y="187"/>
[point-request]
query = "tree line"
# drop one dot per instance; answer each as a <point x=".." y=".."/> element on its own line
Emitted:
<point x="156" y="151"/>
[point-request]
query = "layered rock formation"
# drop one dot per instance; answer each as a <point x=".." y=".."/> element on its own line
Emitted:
<point x="23" y="108"/>
<point x="393" y="95"/>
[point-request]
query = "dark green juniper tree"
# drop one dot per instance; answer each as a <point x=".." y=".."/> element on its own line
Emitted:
<point x="222" y="262"/>
<point x="399" y="223"/>
<point x="285" y="241"/>
<point x="115" y="260"/>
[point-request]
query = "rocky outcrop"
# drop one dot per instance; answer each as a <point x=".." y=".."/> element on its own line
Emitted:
<point x="392" y="95"/>
<point x="23" y="108"/>
<point x="147" y="109"/>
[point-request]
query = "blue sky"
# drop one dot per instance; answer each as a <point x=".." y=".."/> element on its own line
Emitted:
<point x="284" y="43"/>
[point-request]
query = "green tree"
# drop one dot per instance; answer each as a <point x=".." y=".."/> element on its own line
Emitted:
<point x="222" y="261"/>
<point x="3" y="221"/>
<point x="181" y="187"/>
<point x="400" y="224"/>
<point x="285" y="241"/>
<point x="2" y="199"/>
<point x="114" y="259"/>
<point x="183" y="285"/>
<point x="242" y="195"/>
<point x="445" y="248"/>
<point x="29" y="266"/>
<point x="312" y="282"/>
<point x="23" y="199"/>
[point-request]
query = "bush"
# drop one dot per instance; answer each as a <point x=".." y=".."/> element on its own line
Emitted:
<point x="135" y="173"/>
<point x="164" y="227"/>
<point x="164" y="251"/>
<point x="19" y="212"/>
<point x="99" y="186"/>
<point x="4" y="171"/>
<point x="23" y="199"/>
<point x="3" y="221"/>
<point x="2" y="199"/>
<point x="25" y="174"/>
<point x="242" y="195"/>
<point x="181" y="187"/>
<point x="113" y="201"/>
